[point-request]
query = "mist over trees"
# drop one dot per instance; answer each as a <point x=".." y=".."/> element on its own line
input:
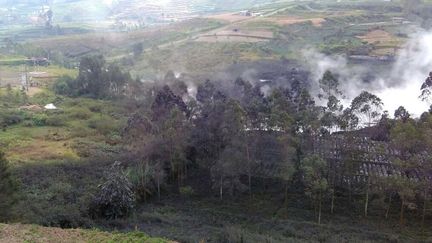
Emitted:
<point x="233" y="141"/>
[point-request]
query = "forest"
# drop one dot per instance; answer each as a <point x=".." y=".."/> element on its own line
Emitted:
<point x="232" y="141"/>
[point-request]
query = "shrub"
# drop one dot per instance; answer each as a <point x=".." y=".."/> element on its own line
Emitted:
<point x="80" y="113"/>
<point x="96" y="108"/>
<point x="104" y="124"/>
<point x="45" y="97"/>
<point x="11" y="118"/>
<point x="64" y="86"/>
<point x="187" y="191"/>
<point x="8" y="188"/>
<point x="115" y="198"/>
<point x="40" y="120"/>
<point x="55" y="121"/>
<point x="80" y="131"/>
<point x="28" y="123"/>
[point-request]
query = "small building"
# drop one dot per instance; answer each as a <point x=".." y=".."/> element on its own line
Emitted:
<point x="38" y="61"/>
<point x="50" y="107"/>
<point x="246" y="13"/>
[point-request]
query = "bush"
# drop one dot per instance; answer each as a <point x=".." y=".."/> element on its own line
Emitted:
<point x="80" y="113"/>
<point x="115" y="198"/>
<point x="8" y="188"/>
<point x="104" y="125"/>
<point x="64" y="86"/>
<point x="28" y="123"/>
<point x="40" y="120"/>
<point x="11" y="118"/>
<point x="78" y="131"/>
<point x="187" y="191"/>
<point x="55" y="121"/>
<point x="46" y="97"/>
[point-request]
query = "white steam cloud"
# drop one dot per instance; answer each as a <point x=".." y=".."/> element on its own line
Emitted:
<point x="399" y="86"/>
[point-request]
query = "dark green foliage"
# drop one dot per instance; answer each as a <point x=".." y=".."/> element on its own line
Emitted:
<point x="115" y="198"/>
<point x="367" y="105"/>
<point x="64" y="86"/>
<point x="8" y="118"/>
<point x="315" y="171"/>
<point x="401" y="114"/>
<point x="8" y="188"/>
<point x="96" y="79"/>
<point x="55" y="121"/>
<point x="40" y="120"/>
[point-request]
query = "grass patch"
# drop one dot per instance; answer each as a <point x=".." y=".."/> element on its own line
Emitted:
<point x="36" y="234"/>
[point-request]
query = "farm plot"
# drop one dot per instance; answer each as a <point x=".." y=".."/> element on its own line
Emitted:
<point x="230" y="17"/>
<point x="288" y="20"/>
<point x="236" y="35"/>
<point x="384" y="42"/>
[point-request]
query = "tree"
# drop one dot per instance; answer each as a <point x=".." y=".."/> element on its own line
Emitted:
<point x="8" y="188"/>
<point x="90" y="77"/>
<point x="329" y="84"/>
<point x="408" y="140"/>
<point x="348" y="120"/>
<point x="227" y="170"/>
<point x="95" y="79"/>
<point x="401" y="114"/>
<point x="115" y="80"/>
<point x="287" y="171"/>
<point x="426" y="88"/>
<point x="115" y="198"/>
<point x="368" y="106"/>
<point x="231" y="156"/>
<point x="279" y="118"/>
<point x="315" y="174"/>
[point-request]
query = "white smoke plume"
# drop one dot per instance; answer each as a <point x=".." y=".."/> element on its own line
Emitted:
<point x="399" y="86"/>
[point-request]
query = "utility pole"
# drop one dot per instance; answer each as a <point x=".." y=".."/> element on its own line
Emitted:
<point x="26" y="77"/>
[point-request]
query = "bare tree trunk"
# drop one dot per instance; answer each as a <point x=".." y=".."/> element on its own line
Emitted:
<point x="319" y="207"/>
<point x="249" y="171"/>
<point x="388" y="207"/>
<point x="349" y="191"/>
<point x="286" y="195"/>
<point x="185" y="174"/>
<point x="221" y="188"/>
<point x="424" y="212"/>
<point x="367" y="198"/>
<point x="158" y="187"/>
<point x="402" y="211"/>
<point x="333" y="191"/>
<point x="332" y="202"/>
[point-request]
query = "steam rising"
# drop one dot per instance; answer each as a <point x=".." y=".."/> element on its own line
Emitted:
<point x="399" y="86"/>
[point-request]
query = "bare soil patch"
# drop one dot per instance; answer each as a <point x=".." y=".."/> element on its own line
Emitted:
<point x="294" y="20"/>
<point x="229" y="17"/>
<point x="375" y="36"/>
<point x="236" y="35"/>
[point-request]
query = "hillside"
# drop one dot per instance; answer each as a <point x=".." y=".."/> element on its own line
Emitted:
<point x="215" y="121"/>
<point x="32" y="233"/>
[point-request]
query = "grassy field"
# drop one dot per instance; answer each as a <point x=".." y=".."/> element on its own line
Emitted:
<point x="45" y="136"/>
<point x="14" y="233"/>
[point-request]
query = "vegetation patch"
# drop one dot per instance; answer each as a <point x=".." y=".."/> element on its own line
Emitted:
<point x="38" y="234"/>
